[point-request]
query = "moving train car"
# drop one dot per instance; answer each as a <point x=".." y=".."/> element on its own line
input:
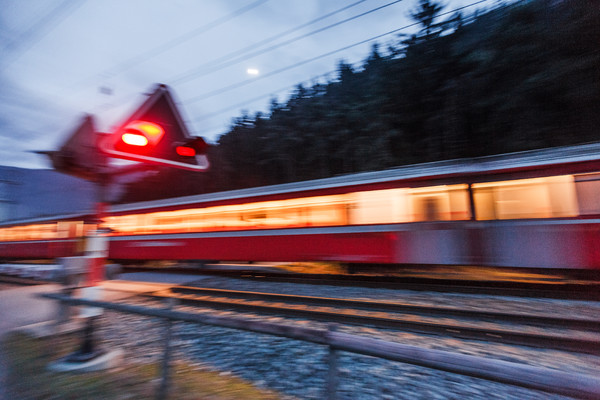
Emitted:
<point x="537" y="209"/>
<point x="42" y="238"/>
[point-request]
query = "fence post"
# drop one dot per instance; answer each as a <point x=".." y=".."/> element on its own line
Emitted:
<point x="64" y="310"/>
<point x="332" y="373"/>
<point x="164" y="383"/>
<point x="69" y="276"/>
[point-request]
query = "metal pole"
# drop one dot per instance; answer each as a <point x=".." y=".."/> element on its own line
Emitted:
<point x="95" y="253"/>
<point x="332" y="375"/>
<point x="98" y="255"/>
<point x="64" y="310"/>
<point x="88" y="346"/>
<point x="472" y="202"/>
<point x="164" y="383"/>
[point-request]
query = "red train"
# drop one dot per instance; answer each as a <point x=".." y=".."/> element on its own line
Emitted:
<point x="538" y="209"/>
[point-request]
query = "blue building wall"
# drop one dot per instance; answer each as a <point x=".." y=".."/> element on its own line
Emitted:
<point x="33" y="193"/>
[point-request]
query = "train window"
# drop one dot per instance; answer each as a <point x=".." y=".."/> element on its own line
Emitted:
<point x="63" y="229"/>
<point x="484" y="203"/>
<point x="79" y="229"/>
<point x="369" y="207"/>
<point x="380" y="207"/>
<point x="255" y="218"/>
<point x="165" y="222"/>
<point x="431" y="209"/>
<point x="226" y="220"/>
<point x="315" y="211"/>
<point x="327" y="214"/>
<point x="526" y="198"/>
<point x="284" y="217"/>
<point x="460" y="209"/>
<point x="49" y="231"/>
<point x="121" y="224"/>
<point x="28" y="232"/>
<point x="588" y="193"/>
<point x="439" y="203"/>
<point x="563" y="197"/>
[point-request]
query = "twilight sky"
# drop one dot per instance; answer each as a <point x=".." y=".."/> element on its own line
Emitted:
<point x="60" y="59"/>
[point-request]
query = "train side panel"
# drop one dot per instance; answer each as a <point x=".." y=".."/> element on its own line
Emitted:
<point x="43" y="249"/>
<point x="434" y="243"/>
<point x="307" y="245"/>
<point x="542" y="244"/>
<point x="531" y="244"/>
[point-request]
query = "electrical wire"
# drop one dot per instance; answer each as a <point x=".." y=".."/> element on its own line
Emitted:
<point x="215" y="63"/>
<point x="271" y="94"/>
<point x="215" y="66"/>
<point x="263" y="96"/>
<point x="246" y="82"/>
<point x="174" y="42"/>
<point x="298" y="64"/>
<point x="27" y="39"/>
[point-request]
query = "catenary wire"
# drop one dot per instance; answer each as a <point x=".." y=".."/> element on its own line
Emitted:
<point x="174" y="42"/>
<point x="316" y="78"/>
<point x="324" y="55"/>
<point x="219" y="63"/>
<point x="246" y="82"/>
<point x="27" y="39"/>
<point x="236" y="53"/>
<point x="263" y="96"/>
<point x="214" y="66"/>
<point x="215" y="63"/>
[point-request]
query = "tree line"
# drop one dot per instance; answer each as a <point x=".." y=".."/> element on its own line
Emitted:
<point x="522" y="76"/>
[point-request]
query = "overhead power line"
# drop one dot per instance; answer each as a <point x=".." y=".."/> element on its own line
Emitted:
<point x="236" y="53"/>
<point x="263" y="96"/>
<point x="243" y="83"/>
<point x="176" y="41"/>
<point x="298" y="64"/>
<point x="271" y="93"/>
<point x="289" y="67"/>
<point x="223" y="62"/>
<point x="35" y="32"/>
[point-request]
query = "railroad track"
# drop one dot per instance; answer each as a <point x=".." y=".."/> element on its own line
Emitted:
<point x="571" y="334"/>
<point x="584" y="290"/>
<point x="19" y="281"/>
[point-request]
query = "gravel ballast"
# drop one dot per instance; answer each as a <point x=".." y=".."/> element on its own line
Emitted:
<point x="299" y="369"/>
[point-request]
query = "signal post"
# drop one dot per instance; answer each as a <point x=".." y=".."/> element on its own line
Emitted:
<point x="154" y="134"/>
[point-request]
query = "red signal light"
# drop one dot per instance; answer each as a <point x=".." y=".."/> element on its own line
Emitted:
<point x="194" y="147"/>
<point x="142" y="133"/>
<point x="134" y="139"/>
<point x="185" y="151"/>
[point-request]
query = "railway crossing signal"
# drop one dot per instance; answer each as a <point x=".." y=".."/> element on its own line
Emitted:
<point x="78" y="156"/>
<point x="156" y="134"/>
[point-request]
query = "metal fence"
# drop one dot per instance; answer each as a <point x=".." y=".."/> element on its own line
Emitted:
<point x="547" y="380"/>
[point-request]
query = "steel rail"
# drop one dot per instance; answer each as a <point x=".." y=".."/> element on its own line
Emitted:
<point x="530" y="319"/>
<point x="553" y="290"/>
<point x="513" y="337"/>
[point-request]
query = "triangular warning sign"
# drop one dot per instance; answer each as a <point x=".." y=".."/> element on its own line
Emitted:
<point x="155" y="134"/>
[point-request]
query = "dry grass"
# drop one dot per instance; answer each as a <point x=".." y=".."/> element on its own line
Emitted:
<point x="314" y="267"/>
<point x="28" y="378"/>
